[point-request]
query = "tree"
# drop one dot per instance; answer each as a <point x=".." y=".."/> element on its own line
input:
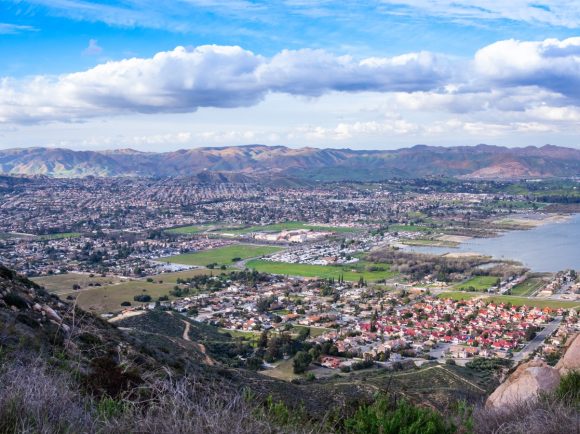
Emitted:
<point x="301" y="362"/>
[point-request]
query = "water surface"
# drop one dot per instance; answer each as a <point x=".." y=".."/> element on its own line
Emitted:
<point x="551" y="247"/>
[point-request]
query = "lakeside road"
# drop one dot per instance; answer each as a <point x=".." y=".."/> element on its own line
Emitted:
<point x="535" y="343"/>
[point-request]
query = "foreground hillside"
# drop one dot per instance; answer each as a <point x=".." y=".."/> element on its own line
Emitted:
<point x="66" y="371"/>
<point x="244" y="162"/>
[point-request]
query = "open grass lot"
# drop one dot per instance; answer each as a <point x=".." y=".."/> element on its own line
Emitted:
<point x="60" y="236"/>
<point x="186" y="274"/>
<point x="187" y="229"/>
<point x="408" y="228"/>
<point x="351" y="272"/>
<point x="286" y="226"/>
<point x="284" y="370"/>
<point x="517" y="301"/>
<point x="63" y="283"/>
<point x="222" y="255"/>
<point x="114" y="290"/>
<point x="480" y="283"/>
<point x="426" y="242"/>
<point x="537" y="302"/>
<point x="314" y="331"/>
<point x="109" y="298"/>
<point x="528" y="286"/>
<point x="460" y="295"/>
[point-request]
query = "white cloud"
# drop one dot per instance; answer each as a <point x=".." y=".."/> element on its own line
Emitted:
<point x="564" y="13"/>
<point x="14" y="29"/>
<point x="550" y="64"/>
<point x="183" y="80"/>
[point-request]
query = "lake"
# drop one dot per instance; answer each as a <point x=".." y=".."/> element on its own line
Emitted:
<point x="551" y="247"/>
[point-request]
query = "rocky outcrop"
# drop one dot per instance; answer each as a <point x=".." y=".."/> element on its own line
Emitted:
<point x="570" y="361"/>
<point x="526" y="382"/>
<point x="536" y="376"/>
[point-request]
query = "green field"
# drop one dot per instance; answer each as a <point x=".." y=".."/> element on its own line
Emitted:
<point x="517" y="301"/>
<point x="186" y="274"/>
<point x="528" y="286"/>
<point x="480" y="283"/>
<point x="222" y="255"/>
<point x="351" y="272"/>
<point x="60" y="236"/>
<point x="285" y="226"/>
<point x="187" y="230"/>
<point x="536" y="302"/>
<point x="460" y="295"/>
<point x="408" y="228"/>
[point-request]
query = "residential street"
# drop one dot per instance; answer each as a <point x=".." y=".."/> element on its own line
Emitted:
<point x="535" y="343"/>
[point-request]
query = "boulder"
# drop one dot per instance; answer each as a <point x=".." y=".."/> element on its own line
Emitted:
<point x="51" y="313"/>
<point x="524" y="383"/>
<point x="570" y="361"/>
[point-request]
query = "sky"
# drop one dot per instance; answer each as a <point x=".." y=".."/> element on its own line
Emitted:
<point x="159" y="75"/>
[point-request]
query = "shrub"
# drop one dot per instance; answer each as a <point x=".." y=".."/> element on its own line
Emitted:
<point x="387" y="417"/>
<point x="143" y="298"/>
<point x="569" y="388"/>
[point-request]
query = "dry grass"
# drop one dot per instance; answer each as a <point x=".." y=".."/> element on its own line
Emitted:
<point x="35" y="398"/>
<point x="545" y="415"/>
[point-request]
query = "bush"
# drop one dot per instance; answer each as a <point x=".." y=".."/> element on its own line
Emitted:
<point x="569" y="388"/>
<point x="143" y="298"/>
<point x="387" y="417"/>
<point x="301" y="362"/>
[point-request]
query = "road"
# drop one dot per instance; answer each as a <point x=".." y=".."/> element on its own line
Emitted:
<point x="535" y="343"/>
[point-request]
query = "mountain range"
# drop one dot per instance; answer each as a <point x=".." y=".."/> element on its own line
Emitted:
<point x="241" y="163"/>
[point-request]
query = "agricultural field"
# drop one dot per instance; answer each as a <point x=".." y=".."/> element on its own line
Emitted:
<point x="63" y="283"/>
<point x="529" y="286"/>
<point x="286" y="226"/>
<point x="222" y="255"/>
<point x="352" y="272"/>
<point x="477" y="283"/>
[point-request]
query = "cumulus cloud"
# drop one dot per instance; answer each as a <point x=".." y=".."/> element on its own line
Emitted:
<point x="183" y="80"/>
<point x="550" y="64"/>
<point x="507" y="76"/>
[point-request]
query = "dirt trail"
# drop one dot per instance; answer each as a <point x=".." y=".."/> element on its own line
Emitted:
<point x="200" y="347"/>
<point x="186" y="331"/>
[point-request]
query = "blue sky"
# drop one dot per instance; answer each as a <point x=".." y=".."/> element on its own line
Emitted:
<point x="158" y="75"/>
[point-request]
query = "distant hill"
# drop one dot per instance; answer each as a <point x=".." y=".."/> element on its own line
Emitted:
<point x="244" y="163"/>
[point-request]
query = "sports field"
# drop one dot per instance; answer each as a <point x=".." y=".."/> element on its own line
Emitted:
<point x="351" y="272"/>
<point x="528" y="287"/>
<point x="478" y="283"/>
<point x="222" y="255"/>
<point x="286" y="226"/>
